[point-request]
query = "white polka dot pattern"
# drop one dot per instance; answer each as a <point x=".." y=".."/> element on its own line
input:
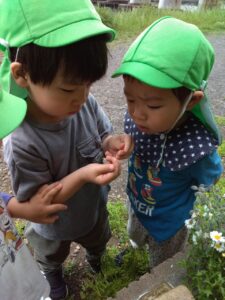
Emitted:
<point x="184" y="146"/>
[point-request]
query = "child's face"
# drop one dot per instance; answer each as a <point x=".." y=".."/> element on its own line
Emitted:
<point x="153" y="110"/>
<point x="57" y="101"/>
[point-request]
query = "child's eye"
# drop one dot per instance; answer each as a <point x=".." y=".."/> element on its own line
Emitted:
<point x="130" y="101"/>
<point x="154" y="107"/>
<point x="67" y="91"/>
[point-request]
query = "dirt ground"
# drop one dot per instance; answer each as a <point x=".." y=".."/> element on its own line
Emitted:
<point x="109" y="93"/>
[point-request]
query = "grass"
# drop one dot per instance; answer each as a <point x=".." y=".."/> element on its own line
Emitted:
<point x="129" y="24"/>
<point x="114" y="278"/>
<point x="220" y="120"/>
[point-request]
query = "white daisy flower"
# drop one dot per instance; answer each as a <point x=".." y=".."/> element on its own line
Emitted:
<point x="217" y="237"/>
<point x="194" y="239"/>
<point x="189" y="223"/>
<point x="194" y="215"/>
<point x="219" y="247"/>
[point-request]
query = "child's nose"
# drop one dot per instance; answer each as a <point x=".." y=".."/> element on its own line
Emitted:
<point x="139" y="113"/>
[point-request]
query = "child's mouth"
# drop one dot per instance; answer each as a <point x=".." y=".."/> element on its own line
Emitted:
<point x="142" y="128"/>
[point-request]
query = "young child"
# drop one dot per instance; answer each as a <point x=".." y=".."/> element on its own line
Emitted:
<point x="165" y="73"/>
<point x="20" y="276"/>
<point x="57" y="50"/>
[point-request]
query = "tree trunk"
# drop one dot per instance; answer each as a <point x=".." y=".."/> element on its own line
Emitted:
<point x="208" y="4"/>
<point x="176" y="4"/>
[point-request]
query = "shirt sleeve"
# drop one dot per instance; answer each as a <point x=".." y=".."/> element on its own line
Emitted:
<point x="5" y="197"/>
<point x="207" y="170"/>
<point x="103" y="123"/>
<point x="27" y="167"/>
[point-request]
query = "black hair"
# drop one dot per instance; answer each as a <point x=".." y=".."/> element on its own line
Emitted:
<point x="82" y="61"/>
<point x="181" y="93"/>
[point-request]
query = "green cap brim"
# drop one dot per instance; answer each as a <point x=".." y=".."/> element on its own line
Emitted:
<point x="147" y="74"/>
<point x="74" y="32"/>
<point x="12" y="113"/>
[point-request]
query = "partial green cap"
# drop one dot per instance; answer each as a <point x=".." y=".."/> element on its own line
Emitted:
<point x="168" y="54"/>
<point x="45" y="23"/>
<point x="171" y="53"/>
<point x="49" y="23"/>
<point x="12" y="112"/>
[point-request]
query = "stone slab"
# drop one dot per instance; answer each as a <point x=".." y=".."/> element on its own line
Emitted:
<point x="168" y="272"/>
<point x="181" y="292"/>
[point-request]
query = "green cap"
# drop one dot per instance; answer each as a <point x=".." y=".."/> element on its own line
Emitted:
<point x="12" y="112"/>
<point x="49" y="23"/>
<point x="45" y="23"/>
<point x="171" y="53"/>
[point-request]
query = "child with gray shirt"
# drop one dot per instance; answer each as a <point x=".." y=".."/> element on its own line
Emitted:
<point x="57" y="50"/>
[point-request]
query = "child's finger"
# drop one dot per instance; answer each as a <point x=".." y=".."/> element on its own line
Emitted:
<point x="115" y="162"/>
<point x="51" y="191"/>
<point x="51" y="219"/>
<point x="106" y="168"/>
<point x="56" y="208"/>
<point x="43" y="190"/>
<point x="127" y="141"/>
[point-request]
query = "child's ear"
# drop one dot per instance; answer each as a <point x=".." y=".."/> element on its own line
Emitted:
<point x="18" y="74"/>
<point x="196" y="98"/>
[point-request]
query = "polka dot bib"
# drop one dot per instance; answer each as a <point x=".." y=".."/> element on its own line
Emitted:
<point x="176" y="150"/>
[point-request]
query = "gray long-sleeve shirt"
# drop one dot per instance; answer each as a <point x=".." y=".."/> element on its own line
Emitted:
<point x="43" y="153"/>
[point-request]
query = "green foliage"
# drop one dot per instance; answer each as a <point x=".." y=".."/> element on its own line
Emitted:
<point x="118" y="219"/>
<point x="220" y="120"/>
<point x="205" y="263"/>
<point x="20" y="226"/>
<point x="129" y="24"/>
<point x="114" y="278"/>
<point x="221" y="149"/>
<point x="69" y="267"/>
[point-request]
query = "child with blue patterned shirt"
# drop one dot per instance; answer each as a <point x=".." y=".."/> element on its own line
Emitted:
<point x="165" y="72"/>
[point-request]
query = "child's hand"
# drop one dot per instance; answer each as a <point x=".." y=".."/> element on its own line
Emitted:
<point x="39" y="208"/>
<point x="119" y="146"/>
<point x="103" y="173"/>
<point x="41" y="202"/>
